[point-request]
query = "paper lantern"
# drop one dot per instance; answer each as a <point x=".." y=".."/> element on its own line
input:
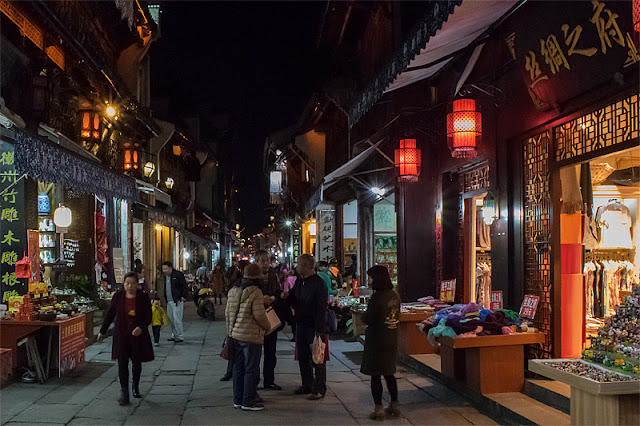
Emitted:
<point x="149" y="169"/>
<point x="62" y="216"/>
<point x="464" y="128"/>
<point x="407" y="161"/>
<point x="636" y="15"/>
<point x="90" y="126"/>
<point x="169" y="183"/>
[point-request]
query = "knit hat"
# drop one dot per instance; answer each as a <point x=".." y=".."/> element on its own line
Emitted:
<point x="253" y="272"/>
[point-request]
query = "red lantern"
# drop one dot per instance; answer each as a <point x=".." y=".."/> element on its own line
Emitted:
<point x="636" y="15"/>
<point x="464" y="127"/>
<point x="408" y="160"/>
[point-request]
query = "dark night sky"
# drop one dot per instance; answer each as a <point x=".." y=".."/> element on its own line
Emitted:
<point x="256" y="60"/>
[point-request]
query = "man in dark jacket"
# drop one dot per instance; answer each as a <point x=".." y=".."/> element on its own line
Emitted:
<point x="309" y="297"/>
<point x="271" y="290"/>
<point x="175" y="293"/>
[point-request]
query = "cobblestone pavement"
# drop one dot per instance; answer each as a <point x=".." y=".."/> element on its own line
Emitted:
<point x="182" y="387"/>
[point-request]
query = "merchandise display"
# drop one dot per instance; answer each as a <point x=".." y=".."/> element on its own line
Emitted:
<point x="589" y="371"/>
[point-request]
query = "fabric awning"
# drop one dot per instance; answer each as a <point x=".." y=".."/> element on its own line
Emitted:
<point x="49" y="162"/>
<point x="466" y="24"/>
<point x="347" y="168"/>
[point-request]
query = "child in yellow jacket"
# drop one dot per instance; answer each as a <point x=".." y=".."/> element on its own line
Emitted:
<point x="158" y="319"/>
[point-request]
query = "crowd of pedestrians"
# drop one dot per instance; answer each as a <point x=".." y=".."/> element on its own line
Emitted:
<point x="300" y="297"/>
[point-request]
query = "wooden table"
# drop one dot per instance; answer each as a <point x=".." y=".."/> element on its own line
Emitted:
<point x="487" y="364"/>
<point x="410" y="339"/>
<point x="69" y="338"/>
<point x="595" y="403"/>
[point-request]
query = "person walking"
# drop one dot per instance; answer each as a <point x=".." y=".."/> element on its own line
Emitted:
<point x="142" y="280"/>
<point x="271" y="290"/>
<point x="236" y="282"/>
<point x="309" y="297"/>
<point x="381" y="340"/>
<point x="202" y="276"/>
<point x="217" y="283"/>
<point x="175" y="294"/>
<point x="131" y="311"/>
<point x="246" y="324"/>
<point x="158" y="320"/>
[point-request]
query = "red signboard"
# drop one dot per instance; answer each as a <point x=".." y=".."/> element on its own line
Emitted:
<point x="33" y="238"/>
<point x="529" y="306"/>
<point x="496" y="300"/>
<point x="448" y="290"/>
<point x="72" y="344"/>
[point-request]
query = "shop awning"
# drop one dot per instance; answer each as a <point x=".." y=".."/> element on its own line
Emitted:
<point x="466" y="24"/>
<point x="347" y="168"/>
<point x="210" y="244"/>
<point x="49" y="162"/>
<point x="158" y="194"/>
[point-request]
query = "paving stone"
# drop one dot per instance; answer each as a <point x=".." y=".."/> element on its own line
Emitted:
<point x="154" y="419"/>
<point x="107" y="409"/>
<point x="173" y="379"/>
<point x="419" y="414"/>
<point x="160" y="398"/>
<point x="48" y="413"/>
<point x="170" y="390"/>
<point x="84" y="421"/>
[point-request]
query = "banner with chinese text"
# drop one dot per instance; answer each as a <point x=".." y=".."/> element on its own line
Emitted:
<point x="326" y="235"/>
<point x="72" y="344"/>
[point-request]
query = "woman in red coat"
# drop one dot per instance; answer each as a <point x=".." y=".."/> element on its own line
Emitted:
<point x="131" y="310"/>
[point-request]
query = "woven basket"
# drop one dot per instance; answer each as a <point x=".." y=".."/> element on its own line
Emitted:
<point x="600" y="172"/>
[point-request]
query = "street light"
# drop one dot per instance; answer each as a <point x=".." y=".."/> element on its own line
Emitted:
<point x="378" y="191"/>
<point x="111" y="111"/>
<point x="149" y="169"/>
<point x="288" y="222"/>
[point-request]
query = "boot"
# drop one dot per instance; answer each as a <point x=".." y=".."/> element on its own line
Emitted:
<point x="377" y="413"/>
<point x="124" y="399"/>
<point x="136" y="390"/>
<point x="392" y="410"/>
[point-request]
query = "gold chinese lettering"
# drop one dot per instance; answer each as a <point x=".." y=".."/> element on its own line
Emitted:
<point x="571" y="40"/>
<point x="10" y="214"/>
<point x="9" y="239"/>
<point x="553" y="54"/>
<point x="10" y="197"/>
<point x="532" y="65"/>
<point x="8" y="177"/>
<point x="607" y="30"/>
<point x="9" y="279"/>
<point x="6" y="158"/>
<point x="8" y="295"/>
<point x="9" y="257"/>
<point x="632" y="54"/>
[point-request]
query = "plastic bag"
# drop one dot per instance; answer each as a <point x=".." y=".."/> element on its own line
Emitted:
<point x="317" y="350"/>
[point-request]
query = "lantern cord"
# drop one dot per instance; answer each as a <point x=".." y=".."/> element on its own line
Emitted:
<point x="13" y="184"/>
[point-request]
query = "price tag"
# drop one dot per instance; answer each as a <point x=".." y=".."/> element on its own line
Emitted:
<point x="448" y="290"/>
<point x="529" y="306"/>
<point x="496" y="300"/>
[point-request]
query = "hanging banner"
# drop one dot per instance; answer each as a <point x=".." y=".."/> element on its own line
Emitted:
<point x="325" y="234"/>
<point x="296" y="246"/>
<point x="570" y="47"/>
<point x="529" y="306"/>
<point x="448" y="290"/>
<point x="34" y="255"/>
<point x="72" y="344"/>
<point x="13" y="237"/>
<point x="496" y="300"/>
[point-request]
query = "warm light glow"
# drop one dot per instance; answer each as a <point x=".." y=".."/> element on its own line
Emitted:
<point x="111" y="111"/>
<point x="288" y="222"/>
<point x="312" y="229"/>
<point x="186" y="255"/>
<point x="158" y="227"/>
<point x="177" y="150"/>
<point x="464" y="126"/>
<point x="62" y="216"/>
<point x="149" y="169"/>
<point x="169" y="182"/>
<point x="408" y="160"/>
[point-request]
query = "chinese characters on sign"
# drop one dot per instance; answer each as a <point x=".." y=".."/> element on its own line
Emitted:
<point x="448" y="290"/>
<point x="72" y="344"/>
<point x="326" y="234"/>
<point x="576" y="46"/>
<point x="496" y="300"/>
<point x="529" y="306"/>
<point x="296" y="246"/>
<point x="12" y="231"/>
<point x="33" y="238"/>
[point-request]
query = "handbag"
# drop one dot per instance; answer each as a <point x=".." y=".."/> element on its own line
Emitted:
<point x="331" y="321"/>
<point x="227" y="348"/>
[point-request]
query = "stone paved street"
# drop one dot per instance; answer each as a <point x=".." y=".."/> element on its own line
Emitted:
<point x="182" y="387"/>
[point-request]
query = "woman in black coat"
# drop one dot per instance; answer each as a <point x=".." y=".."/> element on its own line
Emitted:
<point x="131" y="310"/>
<point x="381" y="340"/>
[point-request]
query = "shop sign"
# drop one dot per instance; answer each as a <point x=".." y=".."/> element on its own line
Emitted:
<point x="296" y="246"/>
<point x="325" y="235"/>
<point x="448" y="290"/>
<point x="13" y="241"/>
<point x="567" y="48"/>
<point x="529" y="306"/>
<point x="275" y="182"/>
<point x="70" y="247"/>
<point x="384" y="217"/>
<point x="72" y="344"/>
<point x="34" y="255"/>
<point x="496" y="300"/>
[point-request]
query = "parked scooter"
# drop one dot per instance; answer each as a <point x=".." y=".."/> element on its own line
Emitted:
<point x="204" y="301"/>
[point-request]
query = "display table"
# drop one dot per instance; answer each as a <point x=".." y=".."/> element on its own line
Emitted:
<point x="410" y="339"/>
<point x="67" y="335"/>
<point x="487" y="364"/>
<point x="359" y="327"/>
<point x="593" y="402"/>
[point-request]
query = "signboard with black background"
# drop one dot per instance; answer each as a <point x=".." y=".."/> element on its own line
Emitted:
<point x="13" y="235"/>
<point x="565" y="48"/>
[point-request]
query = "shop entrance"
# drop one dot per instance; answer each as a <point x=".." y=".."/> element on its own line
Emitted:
<point x="478" y="215"/>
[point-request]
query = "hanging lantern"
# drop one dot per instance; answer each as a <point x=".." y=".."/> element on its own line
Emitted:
<point x="169" y="183"/>
<point x="130" y="152"/>
<point x="62" y="216"/>
<point x="636" y="15"/>
<point x="177" y="150"/>
<point x="464" y="128"/>
<point x="90" y="126"/>
<point x="149" y="169"/>
<point x="408" y="160"/>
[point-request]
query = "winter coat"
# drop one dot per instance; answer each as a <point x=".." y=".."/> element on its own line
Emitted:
<point x="310" y="297"/>
<point x="178" y="285"/>
<point x="158" y="316"/>
<point x="381" y="338"/>
<point x="138" y="348"/>
<point x="216" y="282"/>
<point x="245" y="313"/>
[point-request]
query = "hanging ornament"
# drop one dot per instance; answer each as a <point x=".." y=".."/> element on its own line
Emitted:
<point x="408" y="161"/>
<point x="464" y="128"/>
<point x="636" y="15"/>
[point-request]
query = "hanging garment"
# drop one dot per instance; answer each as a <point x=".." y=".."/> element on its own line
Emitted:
<point x="483" y="233"/>
<point x="571" y="196"/>
<point x="615" y="224"/>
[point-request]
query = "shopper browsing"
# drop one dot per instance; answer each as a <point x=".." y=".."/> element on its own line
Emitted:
<point x="131" y="311"/>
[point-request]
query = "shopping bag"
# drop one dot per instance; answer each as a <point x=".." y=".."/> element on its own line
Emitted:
<point x="23" y="269"/>
<point x="274" y="321"/>
<point x="331" y="321"/>
<point x="317" y="350"/>
<point x="227" y="348"/>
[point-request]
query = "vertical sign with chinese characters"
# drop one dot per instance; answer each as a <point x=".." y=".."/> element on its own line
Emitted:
<point x="13" y="238"/>
<point x="296" y="246"/>
<point x="567" y="48"/>
<point x="326" y="235"/>
<point x="448" y="290"/>
<point x="496" y="300"/>
<point x="529" y="306"/>
<point x="72" y="344"/>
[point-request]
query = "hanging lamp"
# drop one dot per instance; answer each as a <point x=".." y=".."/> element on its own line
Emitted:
<point x="636" y="15"/>
<point x="408" y="161"/>
<point x="464" y="128"/>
